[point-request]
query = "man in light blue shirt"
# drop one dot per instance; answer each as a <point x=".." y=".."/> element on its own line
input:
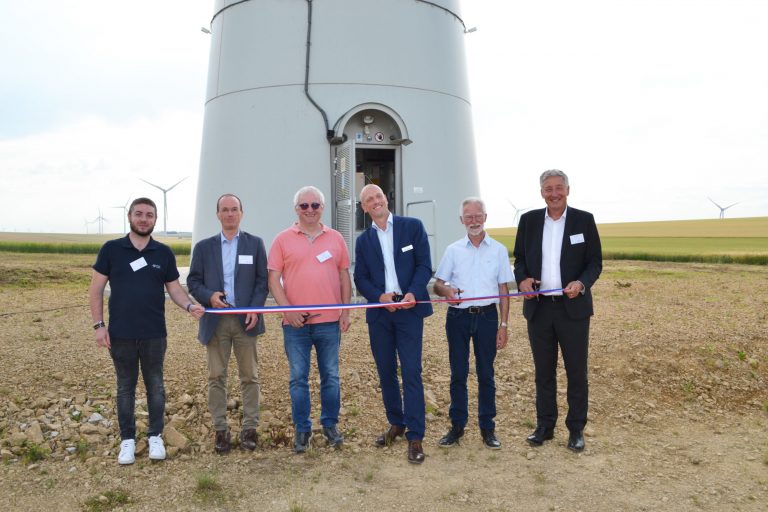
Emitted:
<point x="474" y="266"/>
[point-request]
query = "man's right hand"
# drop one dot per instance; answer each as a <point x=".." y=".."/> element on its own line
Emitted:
<point x="294" y="318"/>
<point x="216" y="301"/>
<point x="388" y="297"/>
<point x="528" y="286"/>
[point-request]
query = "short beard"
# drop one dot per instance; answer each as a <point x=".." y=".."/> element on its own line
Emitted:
<point x="475" y="231"/>
<point x="135" y="229"/>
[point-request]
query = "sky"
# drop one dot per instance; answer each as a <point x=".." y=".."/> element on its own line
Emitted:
<point x="650" y="107"/>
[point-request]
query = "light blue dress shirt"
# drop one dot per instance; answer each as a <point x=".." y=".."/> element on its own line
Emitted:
<point x="229" y="262"/>
<point x="387" y="241"/>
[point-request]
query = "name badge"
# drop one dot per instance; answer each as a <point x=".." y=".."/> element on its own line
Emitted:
<point x="323" y="256"/>
<point x="407" y="248"/>
<point x="245" y="259"/>
<point x="577" y="239"/>
<point x="138" y="264"/>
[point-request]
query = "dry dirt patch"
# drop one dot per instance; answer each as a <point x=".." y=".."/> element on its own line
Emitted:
<point x="679" y="391"/>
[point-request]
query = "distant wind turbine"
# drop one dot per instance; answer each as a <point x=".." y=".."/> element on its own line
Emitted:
<point x="165" y="200"/>
<point x="518" y="211"/>
<point x="101" y="220"/>
<point x="722" y="209"/>
<point x="125" y="212"/>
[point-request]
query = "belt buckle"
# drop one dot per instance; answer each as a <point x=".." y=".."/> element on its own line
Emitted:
<point x="473" y="310"/>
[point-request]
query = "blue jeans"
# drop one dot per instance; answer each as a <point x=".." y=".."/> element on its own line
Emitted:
<point x="481" y="327"/>
<point x="128" y="356"/>
<point x="326" y="338"/>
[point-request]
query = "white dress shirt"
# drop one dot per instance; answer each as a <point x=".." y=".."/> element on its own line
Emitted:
<point x="551" y="248"/>
<point x="387" y="242"/>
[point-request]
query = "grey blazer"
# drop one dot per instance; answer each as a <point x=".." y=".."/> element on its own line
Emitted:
<point x="206" y="276"/>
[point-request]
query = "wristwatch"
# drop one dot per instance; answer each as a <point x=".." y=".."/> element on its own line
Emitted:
<point x="99" y="325"/>
<point x="503" y="324"/>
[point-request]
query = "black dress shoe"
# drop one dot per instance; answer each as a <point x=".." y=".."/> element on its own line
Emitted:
<point x="540" y="435"/>
<point x="334" y="437"/>
<point x="576" y="441"/>
<point x="452" y="437"/>
<point x="248" y="439"/>
<point x="302" y="441"/>
<point x="415" y="452"/>
<point x="222" y="443"/>
<point x="489" y="439"/>
<point x="389" y="437"/>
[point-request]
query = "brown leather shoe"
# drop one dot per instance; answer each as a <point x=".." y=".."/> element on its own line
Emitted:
<point x="223" y="441"/>
<point x="415" y="452"/>
<point x="248" y="439"/>
<point x="389" y="437"/>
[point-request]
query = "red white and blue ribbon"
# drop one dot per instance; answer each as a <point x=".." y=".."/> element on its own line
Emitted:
<point x="368" y="305"/>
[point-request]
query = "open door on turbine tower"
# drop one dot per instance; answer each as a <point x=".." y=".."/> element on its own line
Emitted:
<point x="371" y="154"/>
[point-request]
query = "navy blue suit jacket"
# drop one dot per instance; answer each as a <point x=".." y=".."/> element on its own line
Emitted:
<point x="206" y="276"/>
<point x="578" y="261"/>
<point x="413" y="266"/>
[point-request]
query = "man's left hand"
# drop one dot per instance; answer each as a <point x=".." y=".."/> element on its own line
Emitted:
<point x="251" y="320"/>
<point x="502" y="335"/>
<point x="573" y="289"/>
<point x="344" y="321"/>
<point x="408" y="297"/>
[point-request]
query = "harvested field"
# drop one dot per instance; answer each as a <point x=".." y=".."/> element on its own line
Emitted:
<point x="678" y="417"/>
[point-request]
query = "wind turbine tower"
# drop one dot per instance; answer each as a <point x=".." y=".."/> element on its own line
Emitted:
<point x="165" y="200"/>
<point x="338" y="94"/>
<point x="125" y="212"/>
<point x="722" y="208"/>
<point x="518" y="211"/>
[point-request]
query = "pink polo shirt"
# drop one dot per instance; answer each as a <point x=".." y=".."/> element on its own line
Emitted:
<point x="310" y="269"/>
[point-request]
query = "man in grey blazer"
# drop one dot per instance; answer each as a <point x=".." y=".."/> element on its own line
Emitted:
<point x="229" y="269"/>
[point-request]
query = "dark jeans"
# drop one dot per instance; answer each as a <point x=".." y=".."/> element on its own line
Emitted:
<point x="481" y="328"/>
<point x="128" y="356"/>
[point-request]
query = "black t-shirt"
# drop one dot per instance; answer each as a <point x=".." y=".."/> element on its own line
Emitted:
<point x="137" y="287"/>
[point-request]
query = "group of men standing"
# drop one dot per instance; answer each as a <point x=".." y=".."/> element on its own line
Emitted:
<point x="557" y="251"/>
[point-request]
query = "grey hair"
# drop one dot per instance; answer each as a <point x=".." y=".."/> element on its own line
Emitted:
<point x="304" y="190"/>
<point x="471" y="200"/>
<point x="553" y="173"/>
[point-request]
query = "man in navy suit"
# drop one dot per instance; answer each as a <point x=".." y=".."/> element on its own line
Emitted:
<point x="558" y="247"/>
<point x="392" y="264"/>
<point x="230" y="269"/>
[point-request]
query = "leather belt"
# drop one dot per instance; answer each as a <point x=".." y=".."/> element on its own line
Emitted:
<point x="553" y="298"/>
<point x="473" y="310"/>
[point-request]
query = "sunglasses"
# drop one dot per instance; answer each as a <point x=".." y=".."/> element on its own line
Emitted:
<point x="305" y="206"/>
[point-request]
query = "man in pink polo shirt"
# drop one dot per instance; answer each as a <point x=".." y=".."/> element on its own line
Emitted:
<point x="308" y="263"/>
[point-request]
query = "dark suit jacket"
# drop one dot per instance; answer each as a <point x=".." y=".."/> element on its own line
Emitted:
<point x="578" y="262"/>
<point x="413" y="267"/>
<point x="206" y="276"/>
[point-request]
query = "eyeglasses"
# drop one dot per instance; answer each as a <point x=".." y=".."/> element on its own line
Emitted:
<point x="477" y="216"/>
<point x="305" y="206"/>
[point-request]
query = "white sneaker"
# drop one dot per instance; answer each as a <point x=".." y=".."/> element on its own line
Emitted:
<point x="127" y="452"/>
<point x="156" y="448"/>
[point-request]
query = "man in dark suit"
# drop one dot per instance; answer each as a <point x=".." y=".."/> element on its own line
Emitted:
<point x="230" y="269"/>
<point x="558" y="247"/>
<point x="392" y="264"/>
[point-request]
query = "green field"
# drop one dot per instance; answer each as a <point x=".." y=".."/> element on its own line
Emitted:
<point x="716" y="241"/>
<point x="713" y="241"/>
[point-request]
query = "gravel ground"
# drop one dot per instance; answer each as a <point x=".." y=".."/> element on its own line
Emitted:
<point x="678" y="417"/>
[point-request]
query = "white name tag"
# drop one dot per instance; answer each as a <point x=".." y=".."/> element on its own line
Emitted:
<point x="407" y="248"/>
<point x="138" y="264"/>
<point x="323" y="256"/>
<point x="577" y="239"/>
<point x="245" y="259"/>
